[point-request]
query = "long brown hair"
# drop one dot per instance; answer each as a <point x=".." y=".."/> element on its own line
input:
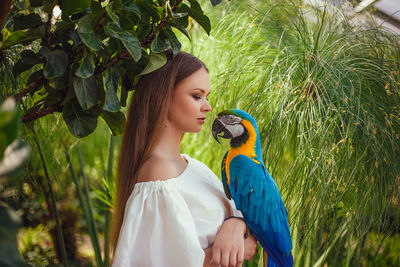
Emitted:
<point x="146" y="118"/>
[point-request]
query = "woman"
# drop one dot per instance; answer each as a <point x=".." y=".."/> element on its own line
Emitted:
<point x="170" y="209"/>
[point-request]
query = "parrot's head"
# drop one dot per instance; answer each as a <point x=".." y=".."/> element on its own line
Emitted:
<point x="234" y="124"/>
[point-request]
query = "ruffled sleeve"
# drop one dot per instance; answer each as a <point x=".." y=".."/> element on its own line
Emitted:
<point x="158" y="229"/>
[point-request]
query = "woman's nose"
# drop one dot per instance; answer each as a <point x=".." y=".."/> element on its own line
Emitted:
<point x="206" y="107"/>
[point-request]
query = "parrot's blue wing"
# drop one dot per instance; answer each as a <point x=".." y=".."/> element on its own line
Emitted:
<point x="224" y="179"/>
<point x="257" y="196"/>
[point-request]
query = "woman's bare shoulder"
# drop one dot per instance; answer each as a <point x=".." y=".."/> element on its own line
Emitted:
<point x="157" y="168"/>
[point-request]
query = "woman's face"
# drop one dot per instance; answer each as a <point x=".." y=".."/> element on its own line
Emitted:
<point x="189" y="103"/>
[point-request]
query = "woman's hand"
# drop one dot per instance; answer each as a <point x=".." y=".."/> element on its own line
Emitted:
<point x="207" y="258"/>
<point x="229" y="244"/>
<point x="250" y="247"/>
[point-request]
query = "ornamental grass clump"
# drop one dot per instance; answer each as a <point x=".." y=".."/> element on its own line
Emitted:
<point x="326" y="95"/>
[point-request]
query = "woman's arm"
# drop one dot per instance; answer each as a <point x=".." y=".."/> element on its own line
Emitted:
<point x="230" y="247"/>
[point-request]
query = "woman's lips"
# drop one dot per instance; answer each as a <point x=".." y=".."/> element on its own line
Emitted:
<point x="202" y="120"/>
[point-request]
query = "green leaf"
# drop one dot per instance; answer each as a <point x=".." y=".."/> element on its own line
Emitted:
<point x="159" y="45"/>
<point x="87" y="91"/>
<point x="112" y="15"/>
<point x="22" y="36"/>
<point x="150" y="8"/>
<point x="9" y="122"/>
<point x="56" y="62"/>
<point x="174" y="42"/>
<point x="114" y="120"/>
<point x="197" y="14"/>
<point x="111" y="82"/>
<point x="179" y="26"/>
<point x="129" y="40"/>
<point x="22" y="22"/>
<point x="184" y="21"/>
<point x="86" y="68"/>
<point x="27" y="61"/>
<point x="70" y="7"/>
<point x="63" y="26"/>
<point x="57" y="83"/>
<point x="79" y="122"/>
<point x="86" y="33"/>
<point x="9" y="224"/>
<point x="129" y="6"/>
<point x="156" y="61"/>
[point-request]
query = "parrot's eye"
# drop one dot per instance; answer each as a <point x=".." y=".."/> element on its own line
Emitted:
<point x="230" y="119"/>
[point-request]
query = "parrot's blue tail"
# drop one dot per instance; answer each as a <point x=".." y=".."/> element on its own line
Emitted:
<point x="269" y="262"/>
<point x="274" y="259"/>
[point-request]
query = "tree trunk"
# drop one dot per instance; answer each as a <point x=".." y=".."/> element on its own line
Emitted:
<point x="4" y="9"/>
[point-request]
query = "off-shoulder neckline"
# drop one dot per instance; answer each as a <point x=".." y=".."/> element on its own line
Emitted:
<point x="172" y="179"/>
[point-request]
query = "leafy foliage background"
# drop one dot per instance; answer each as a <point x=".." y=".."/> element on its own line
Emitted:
<point x="324" y="90"/>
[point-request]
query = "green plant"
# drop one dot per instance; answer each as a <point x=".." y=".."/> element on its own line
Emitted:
<point x="325" y="93"/>
<point x="35" y="246"/>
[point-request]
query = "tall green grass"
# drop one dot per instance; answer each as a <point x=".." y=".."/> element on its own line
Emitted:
<point x="326" y="96"/>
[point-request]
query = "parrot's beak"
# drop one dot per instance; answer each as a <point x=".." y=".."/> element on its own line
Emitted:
<point x="219" y="127"/>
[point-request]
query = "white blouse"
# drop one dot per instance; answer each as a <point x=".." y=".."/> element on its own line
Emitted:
<point x="170" y="222"/>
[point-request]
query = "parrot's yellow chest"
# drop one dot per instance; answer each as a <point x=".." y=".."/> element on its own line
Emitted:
<point x="248" y="148"/>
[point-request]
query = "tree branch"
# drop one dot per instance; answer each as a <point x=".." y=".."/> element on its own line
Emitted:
<point x="100" y="23"/>
<point x="57" y="107"/>
<point x="31" y="87"/>
<point x="4" y="9"/>
<point x="150" y="37"/>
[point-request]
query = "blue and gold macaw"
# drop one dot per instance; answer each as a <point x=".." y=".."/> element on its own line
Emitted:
<point x="252" y="188"/>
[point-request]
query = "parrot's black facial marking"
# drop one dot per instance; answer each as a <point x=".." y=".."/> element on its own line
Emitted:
<point x="238" y="141"/>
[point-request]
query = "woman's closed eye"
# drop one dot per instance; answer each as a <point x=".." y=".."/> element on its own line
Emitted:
<point x="197" y="97"/>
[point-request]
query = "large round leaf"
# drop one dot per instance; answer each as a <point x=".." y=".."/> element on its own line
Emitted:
<point x="22" y="21"/>
<point x="129" y="6"/>
<point x="86" y="33"/>
<point x="56" y="62"/>
<point x="159" y="45"/>
<point x="79" y="122"/>
<point x="70" y="7"/>
<point x="111" y="82"/>
<point x="129" y="40"/>
<point x="156" y="61"/>
<point x="27" y="61"/>
<point x="87" y="91"/>
<point x="22" y="36"/>
<point x="114" y="120"/>
<point x="9" y="121"/>
<point x="86" y="68"/>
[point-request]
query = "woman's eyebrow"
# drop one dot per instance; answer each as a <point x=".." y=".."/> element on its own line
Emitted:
<point x="201" y="90"/>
